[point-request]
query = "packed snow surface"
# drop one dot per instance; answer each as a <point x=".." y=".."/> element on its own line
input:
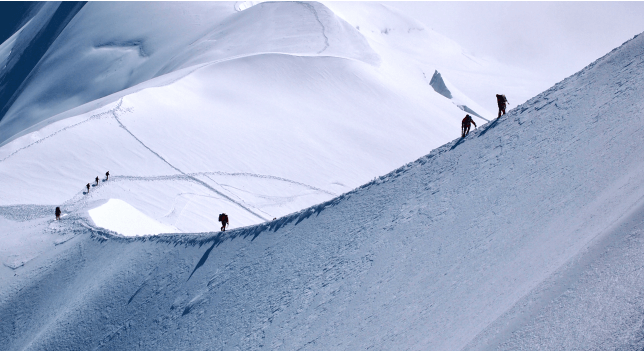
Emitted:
<point x="119" y="216"/>
<point x="525" y="235"/>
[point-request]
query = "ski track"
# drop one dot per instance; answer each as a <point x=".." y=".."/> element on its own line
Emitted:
<point x="188" y="71"/>
<point x="194" y="179"/>
<point x="235" y="174"/>
<point x="80" y="198"/>
<point x="91" y="118"/>
<point x="238" y="198"/>
<point x="190" y="177"/>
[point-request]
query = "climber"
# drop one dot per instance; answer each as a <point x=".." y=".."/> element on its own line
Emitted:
<point x="223" y="218"/>
<point x="501" y="101"/>
<point x="465" y="125"/>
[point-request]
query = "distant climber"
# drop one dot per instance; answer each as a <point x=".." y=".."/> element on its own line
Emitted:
<point x="107" y="175"/>
<point x="96" y="180"/>
<point x="57" y="213"/>
<point x="223" y="218"/>
<point x="502" y="102"/>
<point x="87" y="186"/>
<point x="465" y="125"/>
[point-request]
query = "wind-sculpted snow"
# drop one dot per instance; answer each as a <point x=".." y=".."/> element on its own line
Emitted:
<point x="29" y="45"/>
<point x="439" y="85"/>
<point x="526" y="234"/>
<point x="111" y="47"/>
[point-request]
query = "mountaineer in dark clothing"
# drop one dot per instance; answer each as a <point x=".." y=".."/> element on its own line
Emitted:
<point x="223" y="218"/>
<point x="57" y="213"/>
<point x="465" y="125"/>
<point x="502" y="102"/>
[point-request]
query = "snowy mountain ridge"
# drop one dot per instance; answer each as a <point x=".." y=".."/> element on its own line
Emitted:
<point x="527" y="234"/>
<point x="198" y="109"/>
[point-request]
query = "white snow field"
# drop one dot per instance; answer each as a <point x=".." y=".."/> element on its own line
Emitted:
<point x="257" y="113"/>
<point x="525" y="235"/>
<point x="125" y="219"/>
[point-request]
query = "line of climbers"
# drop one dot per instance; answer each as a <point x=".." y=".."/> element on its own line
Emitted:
<point x="107" y="176"/>
<point x="223" y="218"/>
<point x="501" y="100"/>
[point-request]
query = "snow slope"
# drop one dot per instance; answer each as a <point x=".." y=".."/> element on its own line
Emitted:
<point x="527" y="234"/>
<point x="257" y="113"/>
<point x="21" y="53"/>
<point x="106" y="48"/>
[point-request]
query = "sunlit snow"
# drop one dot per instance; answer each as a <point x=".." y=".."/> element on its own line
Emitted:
<point x="121" y="217"/>
<point x="256" y="113"/>
<point x="359" y="219"/>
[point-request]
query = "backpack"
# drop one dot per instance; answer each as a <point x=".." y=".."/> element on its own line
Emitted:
<point x="221" y="216"/>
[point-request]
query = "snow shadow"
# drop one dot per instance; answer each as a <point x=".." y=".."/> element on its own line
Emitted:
<point x="137" y="292"/>
<point x="489" y="126"/>
<point x="457" y="143"/>
<point x="203" y="259"/>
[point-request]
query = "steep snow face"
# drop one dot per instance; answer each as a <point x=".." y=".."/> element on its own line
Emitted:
<point x="527" y="234"/>
<point x="28" y="45"/>
<point x="106" y="48"/>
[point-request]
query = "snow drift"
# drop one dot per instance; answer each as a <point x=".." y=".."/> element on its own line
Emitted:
<point x="527" y="234"/>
